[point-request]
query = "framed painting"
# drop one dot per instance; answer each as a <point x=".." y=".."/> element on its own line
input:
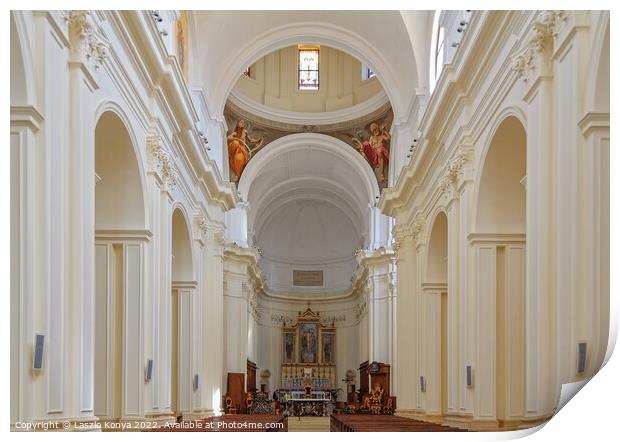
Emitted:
<point x="327" y="347"/>
<point x="308" y="342"/>
<point x="288" y="347"/>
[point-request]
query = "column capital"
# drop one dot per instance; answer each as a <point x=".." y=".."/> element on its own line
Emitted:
<point x="201" y="227"/>
<point x="161" y="162"/>
<point x="87" y="42"/>
<point x="534" y="59"/>
<point x="454" y="170"/>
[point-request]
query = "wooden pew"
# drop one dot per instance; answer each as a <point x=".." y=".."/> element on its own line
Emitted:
<point x="357" y="423"/>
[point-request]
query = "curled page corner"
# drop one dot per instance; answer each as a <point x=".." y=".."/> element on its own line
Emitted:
<point x="568" y="391"/>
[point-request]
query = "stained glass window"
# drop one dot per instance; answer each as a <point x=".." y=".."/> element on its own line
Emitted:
<point x="308" y="69"/>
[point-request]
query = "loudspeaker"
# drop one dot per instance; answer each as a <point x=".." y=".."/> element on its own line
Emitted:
<point x="148" y="375"/>
<point x="470" y="376"/>
<point x="39" y="345"/>
<point x="196" y="382"/>
<point x="581" y="363"/>
<point x="422" y="384"/>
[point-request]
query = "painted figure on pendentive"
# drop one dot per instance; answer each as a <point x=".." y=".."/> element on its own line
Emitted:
<point x="238" y="149"/>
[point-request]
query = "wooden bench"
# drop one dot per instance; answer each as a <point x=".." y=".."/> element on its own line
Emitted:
<point x="356" y="423"/>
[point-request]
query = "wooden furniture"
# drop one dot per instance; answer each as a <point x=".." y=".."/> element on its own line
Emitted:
<point x="236" y="391"/>
<point x="380" y="377"/>
<point x="352" y="422"/>
<point x="364" y="390"/>
<point x="228" y="406"/>
<point x="251" y="377"/>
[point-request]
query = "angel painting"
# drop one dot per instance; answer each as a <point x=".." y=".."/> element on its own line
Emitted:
<point x="375" y="149"/>
<point x="238" y="149"/>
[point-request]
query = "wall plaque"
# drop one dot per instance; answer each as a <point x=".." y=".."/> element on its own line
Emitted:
<point x="309" y="278"/>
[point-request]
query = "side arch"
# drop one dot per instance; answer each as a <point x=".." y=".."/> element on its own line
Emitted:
<point x="499" y="188"/>
<point x="120" y="191"/>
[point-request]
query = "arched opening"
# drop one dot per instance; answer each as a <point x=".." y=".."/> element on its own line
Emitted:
<point x="310" y="197"/>
<point x="119" y="238"/>
<point x="436" y="289"/>
<point x="183" y="286"/>
<point x="500" y="260"/>
<point x="501" y="198"/>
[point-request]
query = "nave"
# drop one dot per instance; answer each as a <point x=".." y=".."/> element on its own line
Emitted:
<point x="298" y="214"/>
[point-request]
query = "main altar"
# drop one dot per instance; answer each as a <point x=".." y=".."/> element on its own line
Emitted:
<point x="308" y="371"/>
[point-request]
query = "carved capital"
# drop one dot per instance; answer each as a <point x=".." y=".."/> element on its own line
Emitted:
<point x="201" y="227"/>
<point x="160" y="161"/>
<point x="454" y="169"/>
<point x="86" y="40"/>
<point x="539" y="44"/>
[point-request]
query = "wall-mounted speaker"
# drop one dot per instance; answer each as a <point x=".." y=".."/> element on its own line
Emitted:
<point x="422" y="384"/>
<point x="581" y="362"/>
<point x="196" y="382"/>
<point x="39" y="346"/>
<point x="469" y="376"/>
<point x="148" y="373"/>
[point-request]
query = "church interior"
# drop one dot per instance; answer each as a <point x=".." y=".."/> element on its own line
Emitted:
<point x="348" y="220"/>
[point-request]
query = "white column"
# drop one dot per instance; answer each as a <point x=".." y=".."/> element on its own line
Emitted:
<point x="540" y="323"/>
<point x="432" y="355"/>
<point x="406" y="324"/>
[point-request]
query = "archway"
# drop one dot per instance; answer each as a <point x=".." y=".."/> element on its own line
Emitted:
<point x="436" y="289"/>
<point x="391" y="56"/>
<point x="500" y="263"/>
<point x="183" y="286"/>
<point x="119" y="239"/>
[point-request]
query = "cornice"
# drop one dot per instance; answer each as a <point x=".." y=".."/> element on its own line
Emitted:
<point x="593" y="121"/>
<point x="26" y="116"/>
<point x="123" y="235"/>
<point x="494" y="238"/>
<point x="368" y="109"/>
<point x="165" y="77"/>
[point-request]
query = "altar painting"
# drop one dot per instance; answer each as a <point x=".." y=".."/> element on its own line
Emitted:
<point x="308" y="342"/>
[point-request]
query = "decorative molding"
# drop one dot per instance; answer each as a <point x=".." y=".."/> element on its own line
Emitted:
<point x="161" y="162"/>
<point x="454" y="169"/>
<point x="281" y="319"/>
<point x="593" y="121"/>
<point x="332" y="320"/>
<point x="369" y="108"/>
<point x="85" y="37"/>
<point x="201" y="227"/>
<point x="26" y="116"/>
<point x="539" y="41"/>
